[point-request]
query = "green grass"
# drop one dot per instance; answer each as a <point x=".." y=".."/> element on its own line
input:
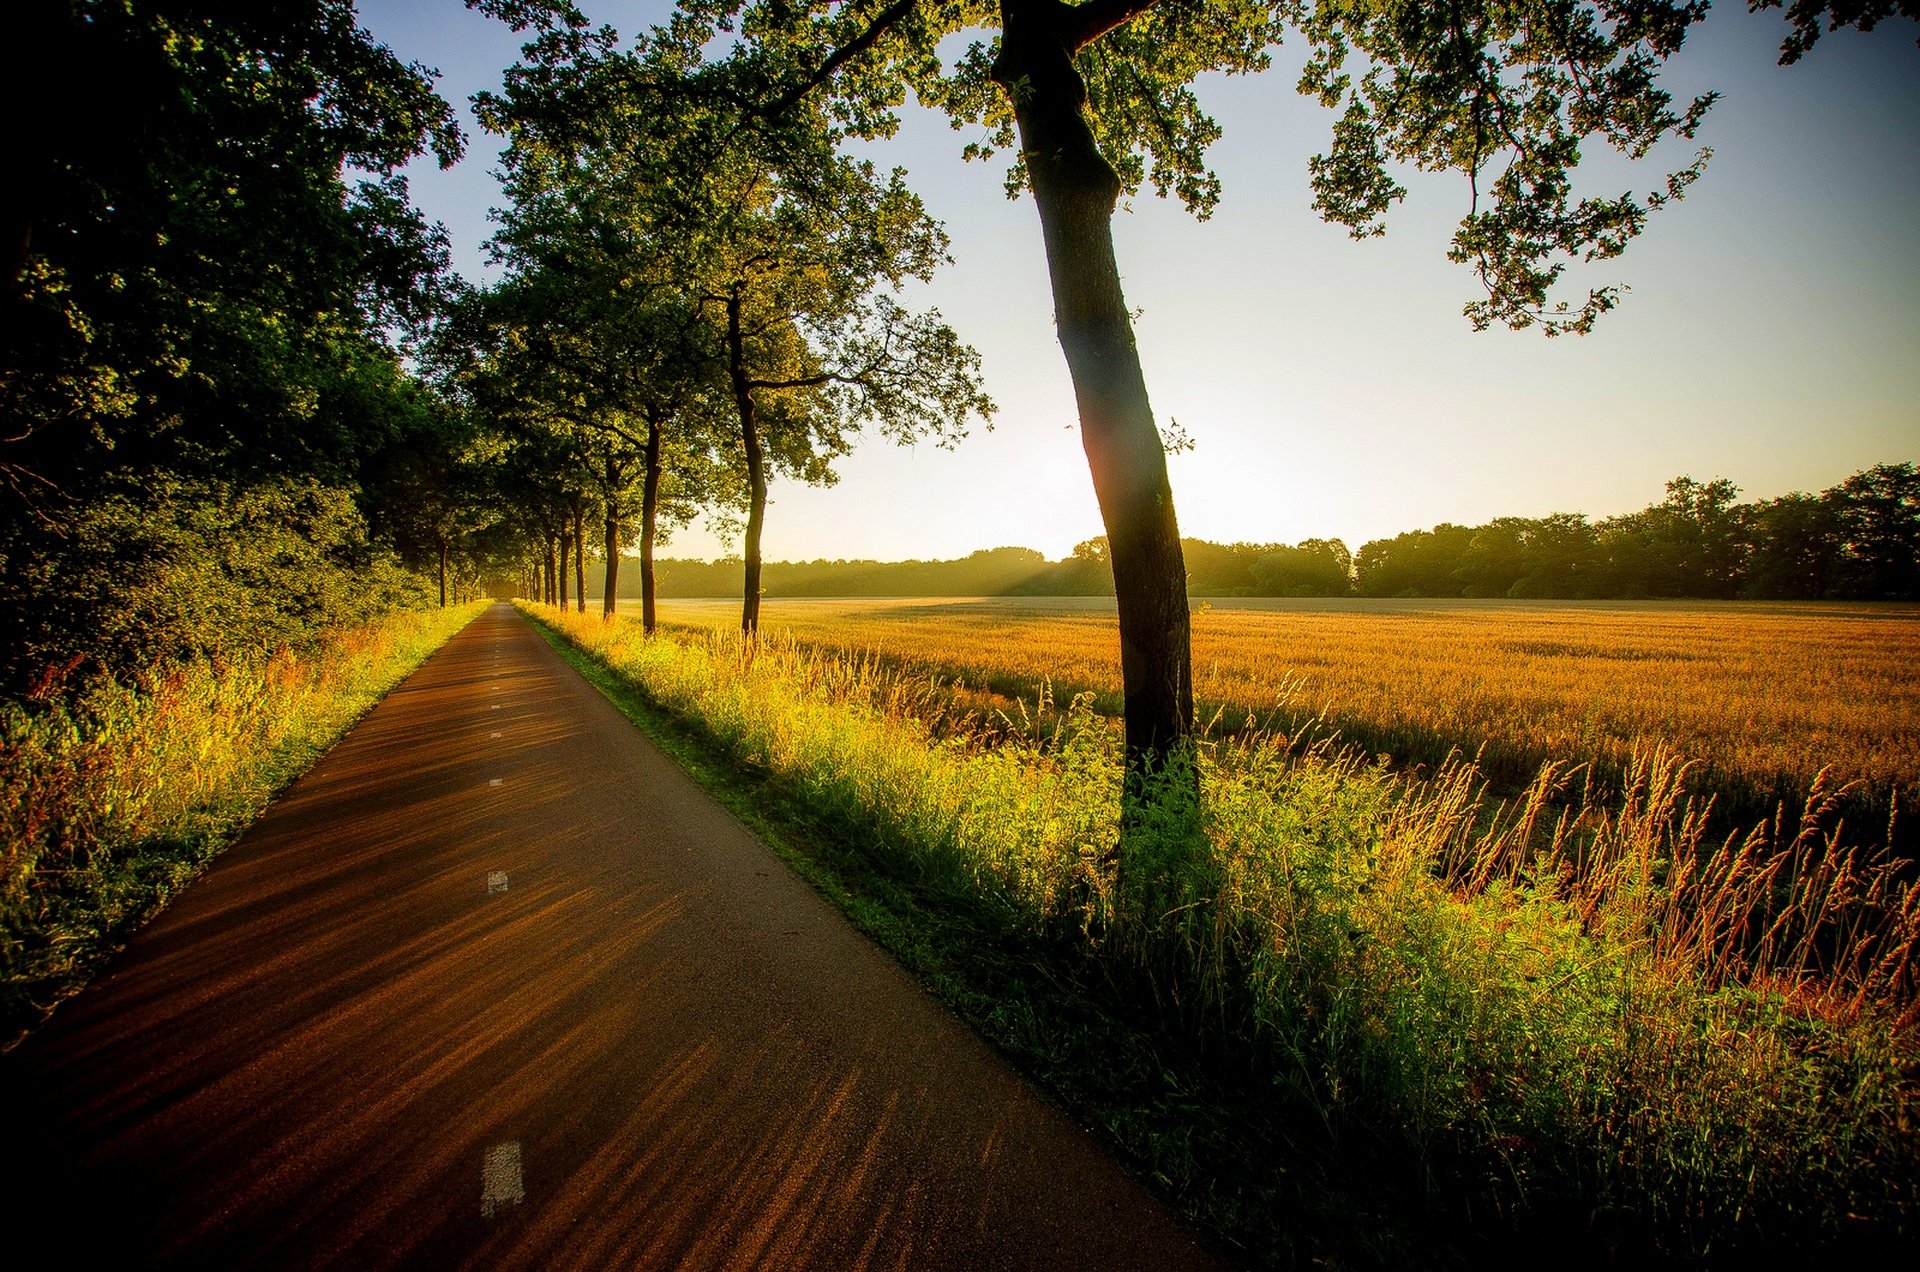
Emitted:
<point x="109" y="805"/>
<point x="1357" y="1018"/>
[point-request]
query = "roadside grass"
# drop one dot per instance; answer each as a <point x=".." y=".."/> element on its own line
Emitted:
<point x="1763" y="697"/>
<point x="112" y="804"/>
<point x="1367" y="1020"/>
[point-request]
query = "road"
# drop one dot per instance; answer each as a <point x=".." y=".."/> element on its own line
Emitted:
<point x="495" y="985"/>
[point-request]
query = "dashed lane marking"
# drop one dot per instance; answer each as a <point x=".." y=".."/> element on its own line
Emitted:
<point x="500" y="1185"/>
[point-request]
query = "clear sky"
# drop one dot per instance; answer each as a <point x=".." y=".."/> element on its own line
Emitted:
<point x="1332" y="388"/>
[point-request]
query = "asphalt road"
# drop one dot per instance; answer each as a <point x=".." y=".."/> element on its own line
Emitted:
<point x="496" y="985"/>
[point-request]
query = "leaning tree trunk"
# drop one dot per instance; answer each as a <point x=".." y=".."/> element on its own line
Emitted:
<point x="579" y="556"/>
<point x="1076" y="190"/>
<point x="649" y="522"/>
<point x="756" y="471"/>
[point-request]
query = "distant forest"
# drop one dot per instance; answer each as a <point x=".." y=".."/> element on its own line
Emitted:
<point x="1859" y="540"/>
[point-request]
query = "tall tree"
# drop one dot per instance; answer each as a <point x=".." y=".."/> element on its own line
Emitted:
<point x="1879" y="515"/>
<point x="1098" y="96"/>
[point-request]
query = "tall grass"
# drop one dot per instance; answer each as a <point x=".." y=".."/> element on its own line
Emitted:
<point x="109" y="804"/>
<point x="1762" y="697"/>
<point x="1375" y="1002"/>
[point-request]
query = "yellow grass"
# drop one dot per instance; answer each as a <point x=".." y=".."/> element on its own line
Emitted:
<point x="109" y="805"/>
<point x="1763" y="696"/>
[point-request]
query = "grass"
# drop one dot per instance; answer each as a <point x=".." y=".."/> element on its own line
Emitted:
<point x="110" y="805"/>
<point x="1762" y="698"/>
<point x="1362" y="1019"/>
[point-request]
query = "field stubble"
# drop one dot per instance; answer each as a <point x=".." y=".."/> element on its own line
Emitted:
<point x="1760" y="697"/>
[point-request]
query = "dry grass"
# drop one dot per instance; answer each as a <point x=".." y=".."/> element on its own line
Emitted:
<point x="111" y="804"/>
<point x="1761" y="697"/>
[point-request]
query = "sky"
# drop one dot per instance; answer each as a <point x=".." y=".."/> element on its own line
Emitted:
<point x="1332" y="388"/>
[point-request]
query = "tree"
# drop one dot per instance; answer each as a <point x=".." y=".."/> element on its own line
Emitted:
<point x="1879" y="515"/>
<point x="1692" y="543"/>
<point x="1099" y="97"/>
<point x="187" y="278"/>
<point x="593" y="326"/>
<point x="1797" y="545"/>
<point x="425" y="487"/>
<point x="1315" y="567"/>
<point x="1416" y="563"/>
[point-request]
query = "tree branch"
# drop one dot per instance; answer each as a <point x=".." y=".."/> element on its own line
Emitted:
<point x="881" y="24"/>
<point x="1089" y="21"/>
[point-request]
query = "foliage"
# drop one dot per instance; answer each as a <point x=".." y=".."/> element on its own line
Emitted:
<point x="190" y="570"/>
<point x="204" y="265"/>
<point x="1508" y="96"/>
<point x="1859" y="540"/>
<point x="1804" y="16"/>
<point x="114" y="801"/>
<point x="1465" y="1023"/>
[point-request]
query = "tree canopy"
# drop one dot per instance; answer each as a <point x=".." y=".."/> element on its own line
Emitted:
<point x="206" y="267"/>
<point x="785" y="254"/>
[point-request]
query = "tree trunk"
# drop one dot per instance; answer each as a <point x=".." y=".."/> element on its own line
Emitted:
<point x="649" y="522"/>
<point x="579" y="555"/>
<point x="443" y="571"/>
<point x="611" y="602"/>
<point x="756" y="471"/>
<point x="548" y="595"/>
<point x="564" y="535"/>
<point x="1076" y="190"/>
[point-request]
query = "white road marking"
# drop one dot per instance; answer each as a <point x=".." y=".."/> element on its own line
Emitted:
<point x="500" y="1184"/>
<point x="496" y="781"/>
<point x="496" y="882"/>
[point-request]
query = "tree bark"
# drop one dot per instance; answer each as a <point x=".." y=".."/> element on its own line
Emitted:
<point x="756" y="470"/>
<point x="548" y="596"/>
<point x="1076" y="190"/>
<point x="579" y="556"/>
<point x="443" y="571"/>
<point x="610" y="595"/>
<point x="564" y="535"/>
<point x="649" y="521"/>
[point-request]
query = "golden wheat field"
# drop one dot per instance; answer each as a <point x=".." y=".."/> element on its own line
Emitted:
<point x="1762" y="695"/>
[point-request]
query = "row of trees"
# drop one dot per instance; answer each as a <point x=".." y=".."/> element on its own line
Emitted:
<point x="1859" y="540"/>
<point x="703" y="292"/>
<point x="701" y="172"/>
<point x="695" y="302"/>
<point x="205" y="419"/>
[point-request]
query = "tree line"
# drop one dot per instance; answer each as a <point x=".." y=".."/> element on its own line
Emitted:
<point x="209" y="434"/>
<point x="1859" y="540"/>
